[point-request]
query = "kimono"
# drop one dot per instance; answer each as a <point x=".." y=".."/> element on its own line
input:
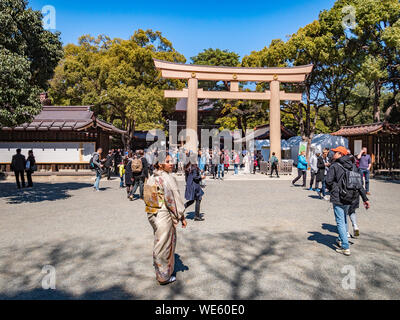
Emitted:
<point x="164" y="221"/>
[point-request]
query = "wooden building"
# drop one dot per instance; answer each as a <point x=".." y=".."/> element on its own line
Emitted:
<point x="382" y="141"/>
<point x="61" y="137"/>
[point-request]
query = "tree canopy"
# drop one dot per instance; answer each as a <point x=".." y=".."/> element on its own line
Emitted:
<point x="28" y="56"/>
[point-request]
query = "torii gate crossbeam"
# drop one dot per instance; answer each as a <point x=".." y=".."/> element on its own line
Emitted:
<point x="194" y="73"/>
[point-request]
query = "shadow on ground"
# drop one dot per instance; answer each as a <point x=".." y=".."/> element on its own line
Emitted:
<point x="265" y="264"/>
<point x="39" y="192"/>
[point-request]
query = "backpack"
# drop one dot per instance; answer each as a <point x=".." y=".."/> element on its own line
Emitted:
<point x="349" y="185"/>
<point x="153" y="195"/>
<point x="136" y="165"/>
<point x="91" y="164"/>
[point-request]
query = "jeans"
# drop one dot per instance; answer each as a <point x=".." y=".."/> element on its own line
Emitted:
<point x="341" y="222"/>
<point x="97" y="182"/>
<point x="29" y="177"/>
<point x="301" y="173"/>
<point x="121" y="183"/>
<point x="236" y="167"/>
<point x="366" y="173"/>
<point x="139" y="182"/>
<point x="197" y="207"/>
<point x="220" y="169"/>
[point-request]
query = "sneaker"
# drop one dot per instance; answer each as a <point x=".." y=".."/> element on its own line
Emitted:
<point x="348" y="235"/>
<point x="346" y="252"/>
<point x="325" y="198"/>
<point x="310" y="189"/>
<point x="198" y="219"/>
<point x="356" y="233"/>
<point x="338" y="243"/>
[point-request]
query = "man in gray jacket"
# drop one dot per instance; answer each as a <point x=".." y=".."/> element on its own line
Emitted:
<point x="18" y="166"/>
<point x="96" y="159"/>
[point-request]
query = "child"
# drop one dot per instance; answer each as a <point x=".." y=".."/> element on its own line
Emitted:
<point x="121" y="174"/>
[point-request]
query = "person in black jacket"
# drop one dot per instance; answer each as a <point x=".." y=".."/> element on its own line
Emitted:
<point x="128" y="173"/>
<point x="193" y="191"/>
<point x="29" y="170"/>
<point x="117" y="160"/>
<point x="108" y="163"/>
<point x="341" y="163"/>
<point x="320" y="176"/>
<point x="141" y="176"/>
<point x="18" y="166"/>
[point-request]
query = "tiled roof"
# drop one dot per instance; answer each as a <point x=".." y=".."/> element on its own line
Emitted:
<point x="65" y="118"/>
<point x="365" y="129"/>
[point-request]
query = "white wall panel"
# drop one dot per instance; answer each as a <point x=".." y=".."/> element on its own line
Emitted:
<point x="50" y="152"/>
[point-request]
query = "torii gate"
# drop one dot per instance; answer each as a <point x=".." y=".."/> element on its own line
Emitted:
<point x="194" y="73"/>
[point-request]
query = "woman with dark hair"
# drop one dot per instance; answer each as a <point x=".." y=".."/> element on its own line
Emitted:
<point x="165" y="208"/>
<point x="193" y="192"/>
<point x="30" y="167"/>
<point x="128" y="173"/>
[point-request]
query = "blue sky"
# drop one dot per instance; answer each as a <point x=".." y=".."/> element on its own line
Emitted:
<point x="191" y="26"/>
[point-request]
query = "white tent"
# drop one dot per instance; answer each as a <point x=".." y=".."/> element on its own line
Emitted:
<point x="318" y="143"/>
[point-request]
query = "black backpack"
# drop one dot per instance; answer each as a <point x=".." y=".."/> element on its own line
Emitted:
<point x="91" y="164"/>
<point x="349" y="186"/>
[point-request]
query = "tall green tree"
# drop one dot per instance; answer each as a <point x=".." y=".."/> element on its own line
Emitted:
<point x="28" y="57"/>
<point x="118" y="77"/>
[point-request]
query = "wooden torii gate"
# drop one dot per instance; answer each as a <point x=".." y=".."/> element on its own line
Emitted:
<point x="194" y="73"/>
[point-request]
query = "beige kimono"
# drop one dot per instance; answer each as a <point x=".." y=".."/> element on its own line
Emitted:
<point x="164" y="222"/>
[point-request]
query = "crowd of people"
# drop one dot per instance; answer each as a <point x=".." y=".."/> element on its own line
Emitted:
<point x="344" y="176"/>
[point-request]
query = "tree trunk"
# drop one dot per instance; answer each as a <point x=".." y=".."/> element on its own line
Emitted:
<point x="377" y="109"/>
<point x="131" y="131"/>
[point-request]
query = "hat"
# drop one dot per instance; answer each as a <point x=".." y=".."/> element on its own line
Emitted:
<point x="341" y="149"/>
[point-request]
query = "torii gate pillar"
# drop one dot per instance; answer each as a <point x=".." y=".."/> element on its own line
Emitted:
<point x="275" y="120"/>
<point x="192" y="114"/>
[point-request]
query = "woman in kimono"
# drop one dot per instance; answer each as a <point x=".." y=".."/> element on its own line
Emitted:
<point x="193" y="192"/>
<point x="164" y="207"/>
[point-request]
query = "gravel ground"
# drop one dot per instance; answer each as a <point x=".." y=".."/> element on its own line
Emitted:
<point x="261" y="239"/>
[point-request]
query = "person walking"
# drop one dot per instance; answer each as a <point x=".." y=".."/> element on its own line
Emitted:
<point x="334" y="181"/>
<point x="128" y="173"/>
<point x="18" y="166"/>
<point x="274" y="165"/>
<point x="320" y="176"/>
<point x="213" y="163"/>
<point x="117" y="161"/>
<point x="313" y="169"/>
<point x="221" y="160"/>
<point x="355" y="204"/>
<point x="121" y="170"/>
<point x="98" y="167"/>
<point x="236" y="162"/>
<point x="193" y="191"/>
<point x="301" y="168"/>
<point x="108" y="163"/>
<point x="140" y="172"/>
<point x="365" y="167"/>
<point x="165" y="209"/>
<point x="30" y="167"/>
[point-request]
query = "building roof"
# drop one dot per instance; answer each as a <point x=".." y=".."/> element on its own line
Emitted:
<point x="203" y="105"/>
<point x="65" y="118"/>
<point x="366" y="129"/>
<point x="262" y="133"/>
